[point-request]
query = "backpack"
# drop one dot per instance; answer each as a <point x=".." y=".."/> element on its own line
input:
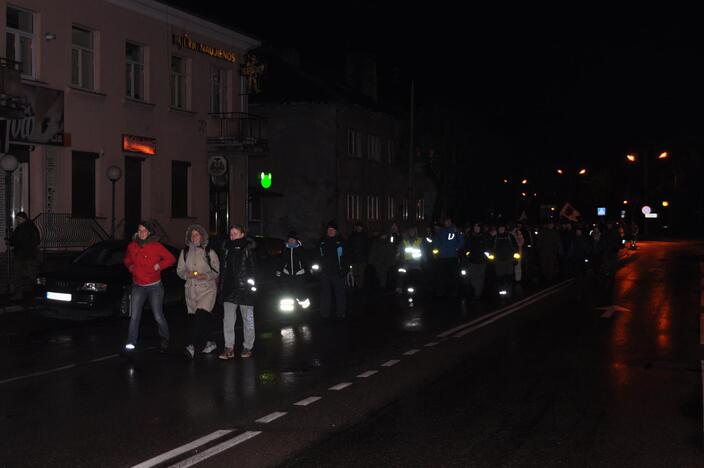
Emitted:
<point x="207" y="257"/>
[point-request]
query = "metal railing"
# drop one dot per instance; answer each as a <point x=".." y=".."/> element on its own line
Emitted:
<point x="61" y="231"/>
<point x="238" y="129"/>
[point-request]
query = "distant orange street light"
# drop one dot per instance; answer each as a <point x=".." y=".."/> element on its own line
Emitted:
<point x="663" y="155"/>
<point x="665" y="203"/>
<point x="582" y="171"/>
<point x="625" y="202"/>
<point x="631" y="157"/>
<point x="559" y="171"/>
<point x="524" y="181"/>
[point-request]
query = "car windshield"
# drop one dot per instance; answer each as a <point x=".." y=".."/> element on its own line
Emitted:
<point x="101" y="255"/>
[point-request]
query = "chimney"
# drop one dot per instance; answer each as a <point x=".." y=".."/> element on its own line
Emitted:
<point x="360" y="74"/>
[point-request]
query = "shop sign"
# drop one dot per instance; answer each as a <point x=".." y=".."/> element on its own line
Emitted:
<point x="139" y="144"/>
<point x="185" y="42"/>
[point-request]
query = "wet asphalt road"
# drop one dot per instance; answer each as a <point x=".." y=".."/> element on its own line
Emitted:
<point x="549" y="384"/>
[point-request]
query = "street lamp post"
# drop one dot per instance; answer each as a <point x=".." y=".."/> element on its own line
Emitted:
<point x="632" y="159"/>
<point x="114" y="174"/>
<point x="9" y="164"/>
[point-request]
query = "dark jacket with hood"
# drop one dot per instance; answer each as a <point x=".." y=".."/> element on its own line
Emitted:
<point x="25" y="240"/>
<point x="332" y="255"/>
<point x="476" y="245"/>
<point x="236" y="268"/>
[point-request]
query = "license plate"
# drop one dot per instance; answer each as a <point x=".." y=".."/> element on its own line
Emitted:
<point x="55" y="296"/>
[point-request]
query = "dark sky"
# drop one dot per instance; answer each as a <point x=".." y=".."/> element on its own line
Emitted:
<point x="582" y="84"/>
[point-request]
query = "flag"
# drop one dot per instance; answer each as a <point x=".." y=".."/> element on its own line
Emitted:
<point x="568" y="211"/>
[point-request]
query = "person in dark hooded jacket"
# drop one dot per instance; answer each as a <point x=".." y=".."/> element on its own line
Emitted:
<point x="237" y="289"/>
<point x="333" y="269"/>
<point x="25" y="243"/>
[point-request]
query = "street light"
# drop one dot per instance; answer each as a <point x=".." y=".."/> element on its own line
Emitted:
<point x="663" y="155"/>
<point x="114" y="174"/>
<point x="9" y="164"/>
<point x="665" y="203"/>
<point x="631" y="158"/>
<point x="582" y="172"/>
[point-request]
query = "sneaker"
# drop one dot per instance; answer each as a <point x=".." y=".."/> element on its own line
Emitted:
<point x="164" y="345"/>
<point x="190" y="351"/>
<point x="228" y="353"/>
<point x="246" y="353"/>
<point x="210" y="346"/>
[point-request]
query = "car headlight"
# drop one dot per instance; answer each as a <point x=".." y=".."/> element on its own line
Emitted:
<point x="41" y="281"/>
<point x="315" y="267"/>
<point x="463" y="272"/>
<point x="96" y="287"/>
<point x="250" y="281"/>
<point x="402" y="270"/>
<point x="286" y="305"/>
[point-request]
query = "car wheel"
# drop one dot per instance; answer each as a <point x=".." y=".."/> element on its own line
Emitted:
<point x="123" y="308"/>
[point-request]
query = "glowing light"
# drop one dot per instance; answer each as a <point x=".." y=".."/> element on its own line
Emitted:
<point x="305" y="303"/>
<point x="463" y="272"/>
<point x="631" y="157"/>
<point x="524" y="181"/>
<point x="582" y="171"/>
<point x="286" y="305"/>
<point x="517" y="256"/>
<point x="129" y="346"/>
<point x="665" y="203"/>
<point x="559" y="171"/>
<point x="663" y="155"/>
<point x="625" y="202"/>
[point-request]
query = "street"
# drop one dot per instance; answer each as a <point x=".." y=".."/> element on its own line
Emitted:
<point x="613" y="379"/>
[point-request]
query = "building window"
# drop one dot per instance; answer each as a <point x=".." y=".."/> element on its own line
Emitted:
<point x="83" y="184"/>
<point x="20" y="39"/>
<point x="179" y="188"/>
<point x="374" y="152"/>
<point x="353" y="212"/>
<point x="179" y="82"/>
<point x="134" y="77"/>
<point x="372" y="208"/>
<point x="82" y="74"/>
<point x="354" y="144"/>
<point x="420" y="210"/>
<point x="218" y="90"/>
<point x="390" y="208"/>
<point x="404" y="210"/>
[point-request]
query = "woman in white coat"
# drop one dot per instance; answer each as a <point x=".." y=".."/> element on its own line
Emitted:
<point x="199" y="266"/>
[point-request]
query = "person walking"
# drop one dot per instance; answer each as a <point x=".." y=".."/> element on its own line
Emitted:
<point x="145" y="259"/>
<point x="333" y="270"/>
<point x="199" y="266"/>
<point x="25" y="243"/>
<point x="238" y="290"/>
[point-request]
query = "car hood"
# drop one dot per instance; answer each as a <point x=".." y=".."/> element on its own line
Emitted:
<point x="75" y="272"/>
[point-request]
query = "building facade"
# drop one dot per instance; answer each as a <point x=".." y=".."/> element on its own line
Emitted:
<point x="135" y="86"/>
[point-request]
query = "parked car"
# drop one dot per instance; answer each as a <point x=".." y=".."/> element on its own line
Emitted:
<point x="96" y="283"/>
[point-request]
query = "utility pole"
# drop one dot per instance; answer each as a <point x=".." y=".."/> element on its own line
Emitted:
<point x="410" y="147"/>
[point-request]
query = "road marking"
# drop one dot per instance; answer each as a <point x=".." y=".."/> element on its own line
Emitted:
<point x="271" y="417"/>
<point x="340" y="386"/>
<point x="183" y="449"/>
<point x="431" y="344"/>
<point x="497" y="317"/>
<point x="411" y="352"/>
<point x="112" y="356"/>
<point x="212" y="451"/>
<point x="37" y="374"/>
<point x="308" y="401"/>
<point x="518" y="304"/>
<point x="390" y="363"/>
<point x="369" y="373"/>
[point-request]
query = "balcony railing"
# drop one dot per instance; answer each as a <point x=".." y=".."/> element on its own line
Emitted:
<point x="12" y="102"/>
<point x="237" y="132"/>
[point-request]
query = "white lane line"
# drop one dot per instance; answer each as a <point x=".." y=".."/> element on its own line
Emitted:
<point x="271" y="417"/>
<point x="37" y="374"/>
<point x="431" y="344"/>
<point x="510" y="306"/>
<point x="411" y="352"/>
<point x="183" y="449"/>
<point x="494" y="319"/>
<point x="112" y="356"/>
<point x="212" y="451"/>
<point x="369" y="373"/>
<point x="390" y="363"/>
<point x="340" y="386"/>
<point x="308" y="401"/>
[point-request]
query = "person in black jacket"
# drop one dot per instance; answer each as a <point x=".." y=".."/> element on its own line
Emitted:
<point x="332" y="271"/>
<point x="25" y="242"/>
<point x="293" y="269"/>
<point x="475" y="258"/>
<point x="237" y="289"/>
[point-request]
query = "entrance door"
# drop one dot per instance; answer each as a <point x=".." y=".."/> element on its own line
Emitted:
<point x="133" y="195"/>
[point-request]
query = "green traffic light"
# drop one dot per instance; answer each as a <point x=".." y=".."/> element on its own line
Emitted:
<point x="265" y="180"/>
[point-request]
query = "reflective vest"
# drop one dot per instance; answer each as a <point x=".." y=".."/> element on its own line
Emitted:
<point x="412" y="249"/>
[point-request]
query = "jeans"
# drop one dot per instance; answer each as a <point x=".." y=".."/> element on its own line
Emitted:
<point x="338" y="285"/>
<point x="155" y="293"/>
<point x="229" y="321"/>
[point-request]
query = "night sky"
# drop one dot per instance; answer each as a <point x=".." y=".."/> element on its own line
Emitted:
<point x="534" y="88"/>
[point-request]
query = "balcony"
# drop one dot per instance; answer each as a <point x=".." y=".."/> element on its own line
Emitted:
<point x="236" y="133"/>
<point x="12" y="102"/>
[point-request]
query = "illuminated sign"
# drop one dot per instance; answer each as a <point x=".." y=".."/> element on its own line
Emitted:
<point x="185" y="42"/>
<point x="601" y="211"/>
<point x="651" y="215"/>
<point x="139" y="144"/>
<point x="645" y="210"/>
<point x="265" y="179"/>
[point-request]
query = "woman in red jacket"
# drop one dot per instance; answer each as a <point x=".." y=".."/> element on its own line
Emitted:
<point x="145" y="259"/>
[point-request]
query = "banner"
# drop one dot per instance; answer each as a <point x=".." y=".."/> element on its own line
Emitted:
<point x="43" y="121"/>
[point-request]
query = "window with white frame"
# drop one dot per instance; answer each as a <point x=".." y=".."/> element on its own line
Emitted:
<point x="354" y="143"/>
<point x="372" y="208"/>
<point x="82" y="58"/>
<point x="353" y="211"/>
<point x="404" y="210"/>
<point x="420" y="210"/>
<point x="134" y="71"/>
<point x="179" y="82"/>
<point x="218" y="90"/>
<point x="19" y="39"/>
<point x="374" y="148"/>
<point x="390" y="208"/>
